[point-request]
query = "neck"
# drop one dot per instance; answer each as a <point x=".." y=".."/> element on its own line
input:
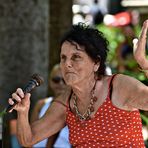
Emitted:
<point x="83" y="90"/>
<point x="84" y="106"/>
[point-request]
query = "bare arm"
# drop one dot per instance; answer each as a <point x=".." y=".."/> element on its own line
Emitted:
<point x="132" y="94"/>
<point x="49" y="124"/>
<point x="136" y="93"/>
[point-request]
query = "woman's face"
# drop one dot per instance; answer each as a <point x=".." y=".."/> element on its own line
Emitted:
<point x="76" y="65"/>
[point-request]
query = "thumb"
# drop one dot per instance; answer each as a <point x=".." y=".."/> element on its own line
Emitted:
<point x="26" y="98"/>
<point x="135" y="44"/>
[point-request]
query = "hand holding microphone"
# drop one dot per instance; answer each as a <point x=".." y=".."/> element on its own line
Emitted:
<point x="18" y="96"/>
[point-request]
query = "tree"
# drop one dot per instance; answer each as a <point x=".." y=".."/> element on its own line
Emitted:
<point x="23" y="46"/>
<point x="60" y="20"/>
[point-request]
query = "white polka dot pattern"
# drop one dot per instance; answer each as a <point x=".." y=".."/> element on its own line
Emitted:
<point x="110" y="127"/>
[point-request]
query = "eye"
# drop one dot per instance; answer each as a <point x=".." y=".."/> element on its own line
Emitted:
<point x="76" y="57"/>
<point x="63" y="58"/>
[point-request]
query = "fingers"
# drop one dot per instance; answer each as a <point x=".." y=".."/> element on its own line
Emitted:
<point x="143" y="33"/>
<point x="17" y="96"/>
<point x="145" y="24"/>
<point x="13" y="103"/>
<point x="10" y="101"/>
<point x="139" y="47"/>
<point x="20" y="92"/>
<point x="19" y="101"/>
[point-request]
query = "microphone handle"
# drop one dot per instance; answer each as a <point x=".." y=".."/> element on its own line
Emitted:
<point x="28" y="88"/>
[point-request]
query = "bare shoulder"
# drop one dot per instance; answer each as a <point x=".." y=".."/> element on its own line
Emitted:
<point x="125" y="80"/>
<point x="126" y="86"/>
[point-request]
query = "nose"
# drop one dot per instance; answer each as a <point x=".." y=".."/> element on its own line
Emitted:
<point x="68" y="63"/>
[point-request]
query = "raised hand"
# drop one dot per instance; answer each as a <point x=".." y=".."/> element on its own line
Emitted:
<point x="139" y="46"/>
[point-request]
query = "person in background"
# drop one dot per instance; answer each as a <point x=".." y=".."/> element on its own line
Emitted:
<point x="57" y="85"/>
<point x="100" y="110"/>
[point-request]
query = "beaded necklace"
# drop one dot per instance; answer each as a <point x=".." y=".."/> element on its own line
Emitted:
<point x="90" y="108"/>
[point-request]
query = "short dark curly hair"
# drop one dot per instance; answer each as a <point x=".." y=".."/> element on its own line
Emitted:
<point x="93" y="41"/>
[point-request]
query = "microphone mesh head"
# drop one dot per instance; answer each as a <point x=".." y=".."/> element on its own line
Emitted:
<point x="38" y="78"/>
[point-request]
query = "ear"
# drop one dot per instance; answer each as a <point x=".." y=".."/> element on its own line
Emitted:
<point x="96" y="66"/>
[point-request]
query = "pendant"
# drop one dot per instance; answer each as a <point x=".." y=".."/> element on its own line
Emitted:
<point x="94" y="98"/>
<point x="82" y="123"/>
<point x="92" y="109"/>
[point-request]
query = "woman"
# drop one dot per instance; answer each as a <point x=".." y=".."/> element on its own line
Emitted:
<point x="100" y="110"/>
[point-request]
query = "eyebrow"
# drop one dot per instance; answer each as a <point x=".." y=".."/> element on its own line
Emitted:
<point x="75" y="53"/>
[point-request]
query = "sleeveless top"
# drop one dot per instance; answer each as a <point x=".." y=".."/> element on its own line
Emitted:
<point x="110" y="127"/>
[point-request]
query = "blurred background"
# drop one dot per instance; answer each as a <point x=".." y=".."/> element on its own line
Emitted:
<point x="30" y="32"/>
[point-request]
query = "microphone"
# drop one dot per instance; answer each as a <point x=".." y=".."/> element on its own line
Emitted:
<point x="35" y="81"/>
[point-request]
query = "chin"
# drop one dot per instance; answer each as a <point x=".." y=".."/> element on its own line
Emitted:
<point x="70" y="83"/>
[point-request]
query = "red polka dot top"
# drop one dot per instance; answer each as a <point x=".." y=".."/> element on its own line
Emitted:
<point x="110" y="127"/>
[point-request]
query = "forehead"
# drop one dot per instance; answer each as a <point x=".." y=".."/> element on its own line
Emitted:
<point x="71" y="47"/>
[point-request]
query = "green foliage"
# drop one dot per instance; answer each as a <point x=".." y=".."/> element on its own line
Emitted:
<point x="115" y="38"/>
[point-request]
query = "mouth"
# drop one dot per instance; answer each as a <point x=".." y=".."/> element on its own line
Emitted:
<point x="69" y="75"/>
<point x="69" y="72"/>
